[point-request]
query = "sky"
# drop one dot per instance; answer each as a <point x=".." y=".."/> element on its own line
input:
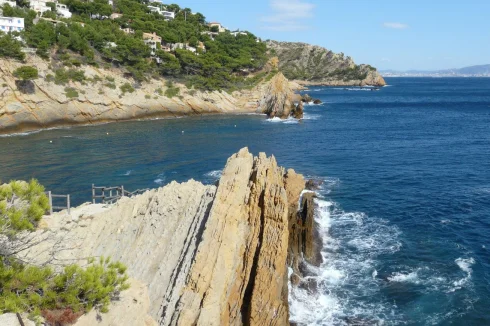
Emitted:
<point x="388" y="34"/>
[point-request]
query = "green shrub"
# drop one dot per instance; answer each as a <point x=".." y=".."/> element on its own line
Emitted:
<point x="126" y="88"/>
<point x="38" y="290"/>
<point x="70" y="92"/>
<point x="159" y="91"/>
<point x="147" y="96"/>
<point x="110" y="85"/>
<point x="110" y="79"/>
<point x="26" y="216"/>
<point x="26" y="73"/>
<point x="63" y="76"/>
<point x="172" y="91"/>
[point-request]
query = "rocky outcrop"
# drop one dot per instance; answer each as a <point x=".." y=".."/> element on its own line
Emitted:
<point x="313" y="65"/>
<point x="209" y="256"/>
<point x="100" y="99"/>
<point x="277" y="99"/>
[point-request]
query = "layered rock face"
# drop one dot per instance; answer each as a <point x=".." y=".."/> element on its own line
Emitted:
<point x="210" y="256"/>
<point x="314" y="65"/>
<point x="100" y="99"/>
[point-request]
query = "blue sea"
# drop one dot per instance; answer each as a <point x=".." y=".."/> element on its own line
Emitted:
<point x="404" y="210"/>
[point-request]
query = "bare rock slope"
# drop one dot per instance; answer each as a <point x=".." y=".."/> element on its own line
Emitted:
<point x="314" y="65"/>
<point x="209" y="255"/>
<point x="100" y="99"/>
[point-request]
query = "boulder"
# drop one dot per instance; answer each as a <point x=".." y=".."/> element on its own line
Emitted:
<point x="317" y="101"/>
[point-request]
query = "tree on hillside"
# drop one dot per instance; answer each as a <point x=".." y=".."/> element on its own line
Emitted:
<point x="10" y="47"/>
<point x="26" y="73"/>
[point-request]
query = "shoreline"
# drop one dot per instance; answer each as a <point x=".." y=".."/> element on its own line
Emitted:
<point x="55" y="126"/>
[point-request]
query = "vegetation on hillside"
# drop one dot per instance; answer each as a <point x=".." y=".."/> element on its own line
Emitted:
<point x="60" y="297"/>
<point x="86" y="38"/>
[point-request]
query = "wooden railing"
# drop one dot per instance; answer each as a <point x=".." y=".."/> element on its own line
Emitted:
<point x="52" y="207"/>
<point x="109" y="195"/>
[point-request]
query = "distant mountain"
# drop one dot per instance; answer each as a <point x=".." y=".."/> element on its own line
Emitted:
<point x="472" y="71"/>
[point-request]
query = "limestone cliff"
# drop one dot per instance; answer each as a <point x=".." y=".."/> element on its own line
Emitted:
<point x="209" y="255"/>
<point x="314" y="65"/>
<point x="100" y="99"/>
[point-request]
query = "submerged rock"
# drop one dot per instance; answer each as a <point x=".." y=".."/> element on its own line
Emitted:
<point x="317" y="101"/>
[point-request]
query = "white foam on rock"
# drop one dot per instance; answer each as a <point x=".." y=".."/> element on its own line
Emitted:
<point x="348" y="271"/>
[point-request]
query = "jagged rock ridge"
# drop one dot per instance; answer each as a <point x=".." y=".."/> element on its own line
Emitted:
<point x="209" y="255"/>
<point x="314" y="65"/>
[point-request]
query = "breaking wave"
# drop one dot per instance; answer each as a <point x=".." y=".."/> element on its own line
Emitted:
<point x="351" y="243"/>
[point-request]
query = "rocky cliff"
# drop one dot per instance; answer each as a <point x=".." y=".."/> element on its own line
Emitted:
<point x="99" y="98"/>
<point x="210" y="255"/>
<point x="314" y="65"/>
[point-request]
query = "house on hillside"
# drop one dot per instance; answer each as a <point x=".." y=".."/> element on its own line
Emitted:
<point x="8" y="2"/>
<point x="236" y="33"/>
<point x="39" y="6"/>
<point x="221" y="28"/>
<point x="152" y="40"/>
<point x="11" y="24"/>
<point x="63" y="10"/>
<point x="168" y="15"/>
<point x="211" y="35"/>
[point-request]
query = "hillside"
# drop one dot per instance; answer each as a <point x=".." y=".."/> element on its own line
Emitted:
<point x="312" y="64"/>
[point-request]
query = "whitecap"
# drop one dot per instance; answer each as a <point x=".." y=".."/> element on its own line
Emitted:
<point x="216" y="174"/>
<point x="160" y="180"/>
<point x="128" y="173"/>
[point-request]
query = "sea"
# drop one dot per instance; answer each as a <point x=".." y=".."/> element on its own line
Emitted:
<point x="403" y="211"/>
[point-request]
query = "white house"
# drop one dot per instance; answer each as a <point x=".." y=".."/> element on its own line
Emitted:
<point x="169" y="15"/>
<point x="236" y="33"/>
<point x="11" y="24"/>
<point x="63" y="10"/>
<point x="221" y="28"/>
<point x="10" y="3"/>
<point x="39" y="6"/>
<point x="152" y="40"/>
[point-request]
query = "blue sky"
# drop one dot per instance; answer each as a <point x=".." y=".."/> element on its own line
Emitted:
<point x="388" y="34"/>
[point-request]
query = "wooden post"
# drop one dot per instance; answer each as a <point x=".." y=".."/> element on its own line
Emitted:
<point x="50" y="203"/>
<point x="68" y="203"/>
<point x="122" y="191"/>
<point x="93" y="193"/>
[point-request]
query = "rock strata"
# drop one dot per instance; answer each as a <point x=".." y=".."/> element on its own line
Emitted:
<point x="100" y="99"/>
<point x="209" y="256"/>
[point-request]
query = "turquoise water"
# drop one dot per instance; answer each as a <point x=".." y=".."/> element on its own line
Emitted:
<point x="404" y="210"/>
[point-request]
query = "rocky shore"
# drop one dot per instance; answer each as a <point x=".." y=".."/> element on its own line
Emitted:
<point x="197" y="254"/>
<point x="100" y="99"/>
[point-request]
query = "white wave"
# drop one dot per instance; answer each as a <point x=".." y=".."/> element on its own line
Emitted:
<point x="160" y="180"/>
<point x="289" y="120"/>
<point x="128" y="173"/>
<point x="307" y="116"/>
<point x="465" y="265"/>
<point x="334" y="303"/>
<point x="408" y="278"/>
<point x="216" y="174"/>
